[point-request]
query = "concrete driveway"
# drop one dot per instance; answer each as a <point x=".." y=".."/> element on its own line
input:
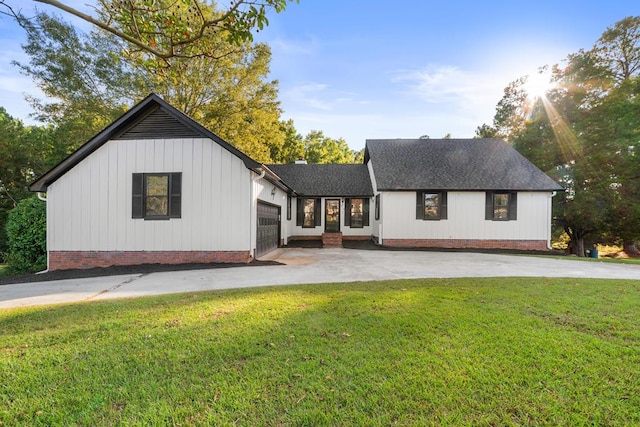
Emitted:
<point x="311" y="266"/>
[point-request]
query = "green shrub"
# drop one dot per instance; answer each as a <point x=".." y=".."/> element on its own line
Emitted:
<point x="27" y="236"/>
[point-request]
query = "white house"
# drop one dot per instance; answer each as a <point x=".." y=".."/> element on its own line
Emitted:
<point x="156" y="187"/>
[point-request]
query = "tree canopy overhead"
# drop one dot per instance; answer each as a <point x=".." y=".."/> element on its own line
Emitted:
<point x="89" y="83"/>
<point x="167" y="29"/>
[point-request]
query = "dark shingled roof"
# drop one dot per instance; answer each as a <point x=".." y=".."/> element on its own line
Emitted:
<point x="326" y="180"/>
<point x="453" y="164"/>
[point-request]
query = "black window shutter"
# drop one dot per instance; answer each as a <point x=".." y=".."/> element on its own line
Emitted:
<point x="377" y="206"/>
<point x="419" y="205"/>
<point x="175" y="195"/>
<point x="137" y="210"/>
<point x="443" y="205"/>
<point x="513" y="206"/>
<point x="488" y="209"/>
<point x="365" y="217"/>
<point x="318" y="212"/>
<point x="347" y="212"/>
<point x="299" y="212"/>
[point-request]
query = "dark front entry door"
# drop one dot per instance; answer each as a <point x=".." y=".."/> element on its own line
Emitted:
<point x="332" y="216"/>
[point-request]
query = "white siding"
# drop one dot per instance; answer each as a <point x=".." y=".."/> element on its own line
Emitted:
<point x="89" y="208"/>
<point x="296" y="230"/>
<point x="466" y="212"/>
<point x="262" y="190"/>
<point x="376" y="224"/>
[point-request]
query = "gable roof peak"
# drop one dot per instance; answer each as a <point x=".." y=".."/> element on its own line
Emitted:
<point x="134" y="116"/>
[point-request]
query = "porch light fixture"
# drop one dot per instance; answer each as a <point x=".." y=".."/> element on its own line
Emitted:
<point x="273" y="191"/>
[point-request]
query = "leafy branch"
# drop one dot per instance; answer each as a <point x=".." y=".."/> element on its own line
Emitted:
<point x="167" y="29"/>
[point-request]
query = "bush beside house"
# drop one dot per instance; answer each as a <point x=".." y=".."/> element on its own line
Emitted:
<point x="26" y="230"/>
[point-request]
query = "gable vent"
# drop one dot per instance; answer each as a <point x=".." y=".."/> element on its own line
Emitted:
<point x="158" y="124"/>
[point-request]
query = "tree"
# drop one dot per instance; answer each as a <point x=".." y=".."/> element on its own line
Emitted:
<point x="322" y="149"/>
<point x="486" y="131"/>
<point x="87" y="83"/>
<point x="584" y="132"/>
<point x="171" y="29"/>
<point x="92" y="85"/>
<point x="24" y="153"/>
<point x="293" y="147"/>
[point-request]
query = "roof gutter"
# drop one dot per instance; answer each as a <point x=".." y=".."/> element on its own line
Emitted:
<point x="262" y="174"/>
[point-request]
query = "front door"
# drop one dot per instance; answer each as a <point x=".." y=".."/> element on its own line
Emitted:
<point x="332" y="216"/>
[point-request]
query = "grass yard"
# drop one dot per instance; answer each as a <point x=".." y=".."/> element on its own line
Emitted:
<point x="523" y="351"/>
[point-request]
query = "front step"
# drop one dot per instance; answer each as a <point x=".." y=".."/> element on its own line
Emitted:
<point x="331" y="240"/>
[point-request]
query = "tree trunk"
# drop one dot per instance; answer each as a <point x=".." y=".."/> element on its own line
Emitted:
<point x="630" y="247"/>
<point x="579" y="246"/>
<point x="576" y="241"/>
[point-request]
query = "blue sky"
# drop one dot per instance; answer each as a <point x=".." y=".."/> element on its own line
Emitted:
<point x="362" y="69"/>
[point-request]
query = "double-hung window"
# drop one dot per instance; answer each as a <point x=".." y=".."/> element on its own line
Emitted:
<point x="431" y="205"/>
<point x="156" y="195"/>
<point x="308" y="212"/>
<point x="356" y="212"/>
<point x="501" y="206"/>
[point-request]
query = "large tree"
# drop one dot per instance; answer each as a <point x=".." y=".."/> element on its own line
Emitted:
<point x="25" y="151"/>
<point x="585" y="133"/>
<point x="168" y="29"/>
<point x="92" y="82"/>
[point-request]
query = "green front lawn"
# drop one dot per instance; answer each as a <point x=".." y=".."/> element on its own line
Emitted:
<point x="408" y="352"/>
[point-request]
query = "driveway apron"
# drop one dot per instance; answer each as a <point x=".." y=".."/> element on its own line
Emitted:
<point x="300" y="266"/>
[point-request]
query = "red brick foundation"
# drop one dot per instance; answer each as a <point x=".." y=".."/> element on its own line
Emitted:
<point x="525" y="245"/>
<point x="66" y="260"/>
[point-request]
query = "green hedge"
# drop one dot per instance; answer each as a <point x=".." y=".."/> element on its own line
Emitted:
<point x="27" y="236"/>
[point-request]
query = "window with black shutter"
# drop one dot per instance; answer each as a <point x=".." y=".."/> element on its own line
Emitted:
<point x="308" y="212"/>
<point x="357" y="213"/>
<point x="501" y="206"/>
<point x="156" y="195"/>
<point x="431" y="205"/>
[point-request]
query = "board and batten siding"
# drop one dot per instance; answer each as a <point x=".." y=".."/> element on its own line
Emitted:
<point x="262" y="189"/>
<point x="89" y="207"/>
<point x="297" y="230"/>
<point x="466" y="218"/>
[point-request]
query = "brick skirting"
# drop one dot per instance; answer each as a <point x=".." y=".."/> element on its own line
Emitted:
<point x="67" y="260"/>
<point x="526" y="245"/>
<point x="319" y="237"/>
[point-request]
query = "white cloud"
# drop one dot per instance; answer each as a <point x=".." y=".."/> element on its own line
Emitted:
<point x="447" y="84"/>
<point x="318" y="96"/>
<point x="288" y="47"/>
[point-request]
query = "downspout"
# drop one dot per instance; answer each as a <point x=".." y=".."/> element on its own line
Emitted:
<point x="44" y="199"/>
<point x="550" y="211"/>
